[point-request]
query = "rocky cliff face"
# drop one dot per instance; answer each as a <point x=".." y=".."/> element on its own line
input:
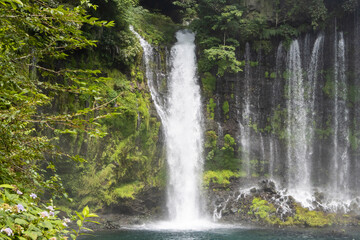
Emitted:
<point x="293" y="110"/>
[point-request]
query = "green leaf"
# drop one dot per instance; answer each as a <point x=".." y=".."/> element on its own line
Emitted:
<point x="79" y="223"/>
<point x="88" y="229"/>
<point x="6" y="186"/>
<point x="21" y="221"/>
<point x="32" y="235"/>
<point x="86" y="211"/>
<point x="47" y="224"/>
<point x="79" y="215"/>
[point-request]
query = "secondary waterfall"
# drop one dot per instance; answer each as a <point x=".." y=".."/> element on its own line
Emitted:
<point x="298" y="165"/>
<point x="339" y="176"/>
<point x="245" y="117"/>
<point x="181" y="116"/>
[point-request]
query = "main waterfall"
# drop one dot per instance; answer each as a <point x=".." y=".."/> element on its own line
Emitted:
<point x="184" y="133"/>
<point x="180" y="111"/>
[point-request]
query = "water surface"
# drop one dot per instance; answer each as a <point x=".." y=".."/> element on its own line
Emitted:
<point x="229" y="234"/>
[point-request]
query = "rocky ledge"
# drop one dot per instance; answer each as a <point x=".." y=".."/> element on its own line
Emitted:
<point x="245" y="201"/>
<point x="241" y="201"/>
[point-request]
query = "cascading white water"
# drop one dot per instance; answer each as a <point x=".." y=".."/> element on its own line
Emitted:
<point x="182" y="122"/>
<point x="151" y="76"/>
<point x="184" y="133"/>
<point x="312" y="74"/>
<point x="275" y="101"/>
<point x="244" y="123"/>
<point x="339" y="177"/>
<point x="220" y="131"/>
<point x="298" y="166"/>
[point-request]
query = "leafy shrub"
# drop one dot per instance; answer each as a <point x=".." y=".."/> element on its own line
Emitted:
<point x="211" y="108"/>
<point x="220" y="177"/>
<point x="23" y="217"/>
<point x="263" y="210"/>
<point x="129" y="190"/>
<point x="209" y="83"/>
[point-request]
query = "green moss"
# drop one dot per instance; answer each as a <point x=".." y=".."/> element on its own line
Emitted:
<point x="229" y="141"/>
<point x="312" y="218"/>
<point x="226" y="108"/>
<point x="211" y="139"/>
<point x="273" y="75"/>
<point x="277" y="122"/>
<point x="210" y="107"/>
<point x="221" y="158"/>
<point x="263" y="211"/>
<point x="254" y="64"/>
<point x="220" y="177"/>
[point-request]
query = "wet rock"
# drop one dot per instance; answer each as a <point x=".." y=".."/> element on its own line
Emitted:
<point x="267" y="186"/>
<point x="319" y="196"/>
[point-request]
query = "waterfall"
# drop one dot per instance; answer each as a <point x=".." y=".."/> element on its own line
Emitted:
<point x="298" y="165"/>
<point x="356" y="117"/>
<point x="152" y="76"/>
<point x="184" y="141"/>
<point x="220" y="131"/>
<point x="312" y="74"/>
<point x="180" y="113"/>
<point x="339" y="176"/>
<point x="275" y="102"/>
<point x="245" y="117"/>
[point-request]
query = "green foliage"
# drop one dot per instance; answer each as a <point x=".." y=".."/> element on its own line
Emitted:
<point x="223" y="158"/>
<point x="188" y="9"/>
<point x="128" y="153"/>
<point x="262" y="210"/>
<point x="278" y="122"/>
<point x="350" y="5"/>
<point x="83" y="218"/>
<point x="324" y="133"/>
<point x="312" y="218"/>
<point x="220" y="177"/>
<point x="22" y="216"/>
<point x="229" y="142"/>
<point x="95" y="184"/>
<point x="35" y="38"/>
<point x="224" y="58"/>
<point x="128" y="190"/>
<point x="217" y="28"/>
<point x="210" y="107"/>
<point x="318" y="13"/>
<point x="225" y="108"/>
<point x="211" y="139"/>
<point x="155" y="28"/>
<point x="208" y="83"/>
